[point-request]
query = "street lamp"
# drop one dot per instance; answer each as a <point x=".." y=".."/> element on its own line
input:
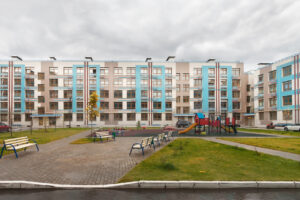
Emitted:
<point x="70" y="113"/>
<point x="170" y="57"/>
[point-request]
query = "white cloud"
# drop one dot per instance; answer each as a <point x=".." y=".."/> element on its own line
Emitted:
<point x="249" y="31"/>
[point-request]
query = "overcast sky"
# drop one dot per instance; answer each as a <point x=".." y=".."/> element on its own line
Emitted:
<point x="250" y="31"/>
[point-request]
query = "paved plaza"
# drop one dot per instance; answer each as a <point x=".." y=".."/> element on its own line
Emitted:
<point x="64" y="163"/>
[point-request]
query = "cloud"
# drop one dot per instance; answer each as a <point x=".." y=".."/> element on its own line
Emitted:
<point x="249" y="31"/>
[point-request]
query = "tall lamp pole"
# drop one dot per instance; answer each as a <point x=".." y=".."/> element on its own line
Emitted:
<point x="70" y="113"/>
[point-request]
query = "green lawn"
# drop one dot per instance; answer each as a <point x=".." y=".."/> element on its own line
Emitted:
<point x="43" y="137"/>
<point x="291" y="145"/>
<point x="271" y="131"/>
<point x="197" y="159"/>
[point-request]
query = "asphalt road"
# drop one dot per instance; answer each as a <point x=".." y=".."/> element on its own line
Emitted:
<point x="245" y="194"/>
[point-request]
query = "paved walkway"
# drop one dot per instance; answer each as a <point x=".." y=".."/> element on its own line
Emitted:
<point x="282" y="154"/>
<point x="64" y="163"/>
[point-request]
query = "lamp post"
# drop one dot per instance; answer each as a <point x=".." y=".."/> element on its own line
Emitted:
<point x="55" y="117"/>
<point x="70" y="113"/>
<point x="31" y="122"/>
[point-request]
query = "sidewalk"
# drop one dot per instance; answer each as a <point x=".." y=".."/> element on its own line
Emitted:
<point x="282" y="154"/>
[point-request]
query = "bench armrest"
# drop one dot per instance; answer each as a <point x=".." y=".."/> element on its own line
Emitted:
<point x="33" y="140"/>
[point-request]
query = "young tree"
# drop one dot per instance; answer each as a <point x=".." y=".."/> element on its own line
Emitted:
<point x="92" y="108"/>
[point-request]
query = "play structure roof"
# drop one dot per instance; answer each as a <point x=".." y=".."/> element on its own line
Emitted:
<point x="200" y="115"/>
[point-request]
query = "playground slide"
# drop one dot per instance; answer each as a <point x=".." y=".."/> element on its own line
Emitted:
<point x="189" y="128"/>
<point x="231" y="130"/>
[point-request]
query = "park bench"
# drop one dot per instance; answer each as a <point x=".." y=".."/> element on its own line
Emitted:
<point x="18" y="143"/>
<point x="102" y="135"/>
<point x="158" y="139"/>
<point x="146" y="142"/>
<point x="167" y="137"/>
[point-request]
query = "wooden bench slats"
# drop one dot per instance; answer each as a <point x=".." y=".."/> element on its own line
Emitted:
<point x="20" y="146"/>
<point x="16" y="139"/>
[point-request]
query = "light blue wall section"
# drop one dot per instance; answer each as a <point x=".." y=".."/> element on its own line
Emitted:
<point x="98" y="83"/>
<point x="74" y="91"/>
<point x="162" y="77"/>
<point x="22" y="87"/>
<point x="229" y="87"/>
<point x="205" y="88"/>
<point x="138" y="95"/>
<point x="280" y="80"/>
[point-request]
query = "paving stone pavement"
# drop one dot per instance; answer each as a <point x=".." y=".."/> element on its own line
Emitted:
<point x="64" y="163"/>
<point x="282" y="154"/>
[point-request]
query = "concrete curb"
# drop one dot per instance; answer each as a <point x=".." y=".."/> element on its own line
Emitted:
<point x="158" y="185"/>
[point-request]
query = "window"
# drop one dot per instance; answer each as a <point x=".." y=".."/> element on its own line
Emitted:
<point x="53" y="82"/>
<point x="130" y="81"/>
<point x="260" y="78"/>
<point x="144" y="70"/>
<point x="104" y="93"/>
<point x="261" y="116"/>
<point x="286" y="71"/>
<point x="272" y="75"/>
<point x="186" y="99"/>
<point x="67" y="105"/>
<point x="17" y="117"/>
<point x="68" y="117"/>
<point x="144" y="93"/>
<point x="156" y="94"/>
<point x="4" y="69"/>
<point x="235" y="72"/>
<point x="223" y="71"/>
<point x="168" y="104"/>
<point x="186" y="76"/>
<point x="68" y="71"/>
<point x="28" y="117"/>
<point x="79" y="81"/>
<point x="29" y="93"/>
<point x="29" y="70"/>
<point x="53" y="93"/>
<point x="104" y="116"/>
<point x="144" y="116"/>
<point x="130" y="105"/>
<point x="68" y="82"/>
<point x="17" y="81"/>
<point x="236" y="82"/>
<point x="156" y="83"/>
<point x="156" y="71"/>
<point x="211" y="105"/>
<point x="79" y="93"/>
<point x="130" y="70"/>
<point x="17" y="93"/>
<point x="261" y="90"/>
<point x="104" y="81"/>
<point x="197" y="93"/>
<point x="211" y="71"/>
<point x="53" y="70"/>
<point x="17" y="70"/>
<point x="118" y="81"/>
<point x="287" y="114"/>
<point x="3" y="117"/>
<point x="178" y="99"/>
<point x="272" y="88"/>
<point x="118" y="105"/>
<point x="93" y="71"/>
<point x="4" y="105"/>
<point x="168" y="70"/>
<point x="178" y="76"/>
<point x="144" y="104"/>
<point x="224" y="82"/>
<point x="4" y="93"/>
<point x="118" y="94"/>
<point x="67" y="94"/>
<point x="41" y="87"/>
<point x="272" y="102"/>
<point x="223" y="93"/>
<point x="211" y="93"/>
<point x="236" y="105"/>
<point x="79" y="70"/>
<point x="156" y="105"/>
<point x="41" y="99"/>
<point x="186" y="87"/>
<point x="131" y="116"/>
<point x="80" y="105"/>
<point x="53" y="105"/>
<point x="168" y="93"/>
<point x="287" y="100"/>
<point x="79" y="117"/>
<point x="29" y="105"/>
<point x="17" y="105"/>
<point x="273" y="115"/>
<point x="198" y="105"/>
<point x="224" y="105"/>
<point x="198" y="82"/>
<point x="197" y="71"/>
<point x="248" y="99"/>
<point x="261" y="103"/>
<point x="248" y="87"/>
<point x="104" y="105"/>
<point x="130" y="93"/>
<point x="237" y="116"/>
<point x="118" y="116"/>
<point x="177" y="87"/>
<point x="236" y="94"/>
<point x="168" y="116"/>
<point x="104" y="71"/>
<point x="169" y="82"/>
<point x="29" y="82"/>
<point x="4" y="81"/>
<point x="287" y="85"/>
<point x="118" y="71"/>
<point x="157" y="116"/>
<point x="211" y="82"/>
<point x="178" y="110"/>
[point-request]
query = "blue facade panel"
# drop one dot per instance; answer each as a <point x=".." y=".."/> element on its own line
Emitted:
<point x="138" y="91"/>
<point x="229" y="87"/>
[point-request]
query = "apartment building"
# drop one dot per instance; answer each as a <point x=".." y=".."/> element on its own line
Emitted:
<point x="155" y="93"/>
<point x="276" y="92"/>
